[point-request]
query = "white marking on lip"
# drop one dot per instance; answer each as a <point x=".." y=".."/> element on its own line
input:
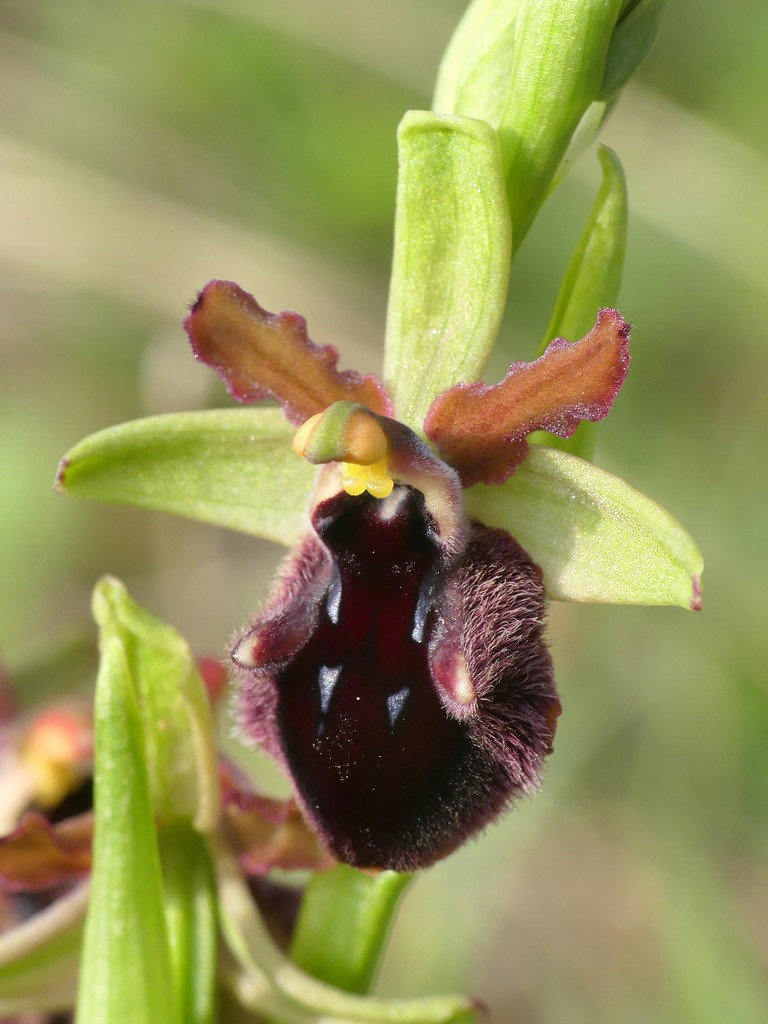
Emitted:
<point x="395" y="704"/>
<point x="333" y="599"/>
<point x="326" y="680"/>
<point x="423" y="605"/>
<point x="388" y="506"/>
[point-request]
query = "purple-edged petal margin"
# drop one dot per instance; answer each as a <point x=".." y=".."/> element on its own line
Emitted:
<point x="480" y="429"/>
<point x="268" y="355"/>
<point x="38" y="855"/>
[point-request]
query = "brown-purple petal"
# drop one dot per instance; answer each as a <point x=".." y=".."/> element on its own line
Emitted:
<point x="266" y="833"/>
<point x="481" y="429"/>
<point x="38" y="855"/>
<point x="261" y="354"/>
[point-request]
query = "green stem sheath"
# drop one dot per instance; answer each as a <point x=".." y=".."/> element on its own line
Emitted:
<point x="344" y="925"/>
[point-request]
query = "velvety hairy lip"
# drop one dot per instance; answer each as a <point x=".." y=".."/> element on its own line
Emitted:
<point x="388" y="767"/>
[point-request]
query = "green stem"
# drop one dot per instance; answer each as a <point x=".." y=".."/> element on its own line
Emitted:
<point x="344" y="925"/>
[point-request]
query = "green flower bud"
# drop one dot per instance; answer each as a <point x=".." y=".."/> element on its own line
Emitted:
<point x="532" y="69"/>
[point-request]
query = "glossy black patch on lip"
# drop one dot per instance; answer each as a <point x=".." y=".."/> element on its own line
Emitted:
<point x="368" y="741"/>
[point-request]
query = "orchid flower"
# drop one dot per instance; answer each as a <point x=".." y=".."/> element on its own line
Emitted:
<point x="399" y="670"/>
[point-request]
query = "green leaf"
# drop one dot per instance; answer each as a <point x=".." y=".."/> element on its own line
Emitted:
<point x="451" y="259"/>
<point x="595" y="537"/>
<point x="344" y="925"/>
<point x="228" y="467"/>
<point x="126" y="969"/>
<point x="592" y="280"/>
<point x="174" y="708"/>
<point x="39" y="957"/>
<point x="190" y="913"/>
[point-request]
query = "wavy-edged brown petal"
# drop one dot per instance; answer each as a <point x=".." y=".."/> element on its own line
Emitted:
<point x="38" y="855"/>
<point x="481" y="429"/>
<point x="266" y="833"/>
<point x="269" y="355"/>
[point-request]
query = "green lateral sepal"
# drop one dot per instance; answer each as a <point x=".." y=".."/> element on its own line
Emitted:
<point x="228" y="467"/>
<point x="596" y="538"/>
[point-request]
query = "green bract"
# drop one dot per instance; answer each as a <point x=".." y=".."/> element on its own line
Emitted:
<point x="593" y="276"/>
<point x="593" y="279"/>
<point x="151" y="915"/>
<point x="343" y="927"/>
<point x="191" y="918"/>
<point x="178" y="735"/>
<point x="125" y="970"/>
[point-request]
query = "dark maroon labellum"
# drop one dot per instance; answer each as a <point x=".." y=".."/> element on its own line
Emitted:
<point x="348" y="678"/>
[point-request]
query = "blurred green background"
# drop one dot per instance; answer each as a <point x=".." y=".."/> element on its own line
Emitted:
<point x="146" y="147"/>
